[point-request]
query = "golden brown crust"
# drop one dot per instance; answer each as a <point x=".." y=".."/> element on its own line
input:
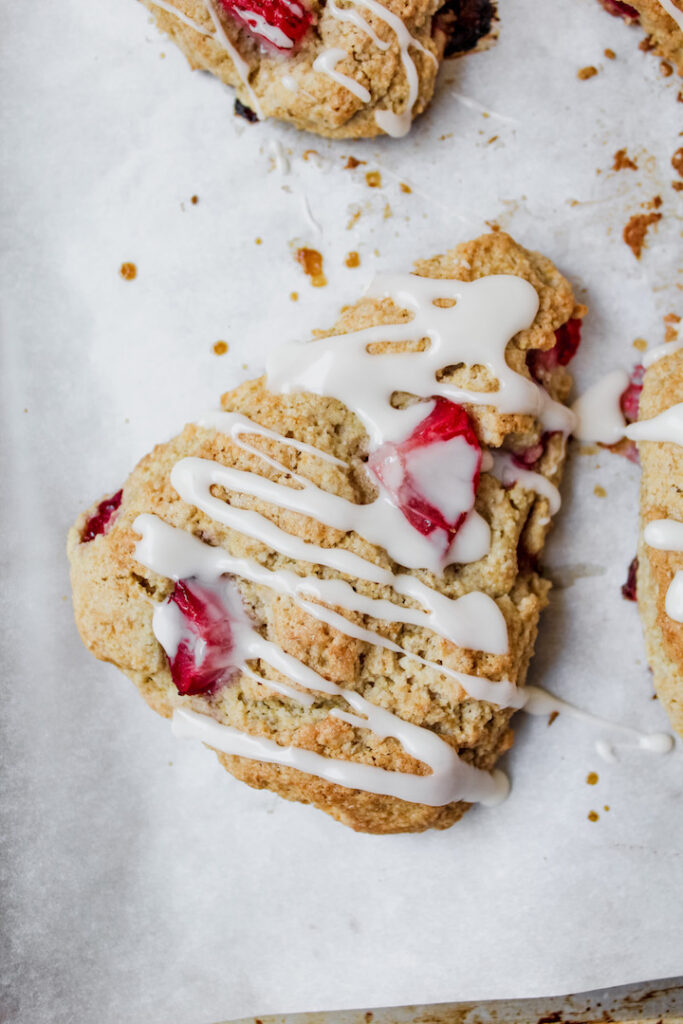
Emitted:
<point x="663" y="33"/>
<point x="114" y="594"/>
<point x="661" y="497"/>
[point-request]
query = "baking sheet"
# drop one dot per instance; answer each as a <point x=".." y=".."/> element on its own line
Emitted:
<point x="140" y="882"/>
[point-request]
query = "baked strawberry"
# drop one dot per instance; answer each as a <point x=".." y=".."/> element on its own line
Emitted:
<point x="279" y="24"/>
<point x="629" y="589"/>
<point x="620" y="10"/>
<point x="630" y="399"/>
<point x="100" y="521"/>
<point x="567" y="341"/>
<point x="433" y="475"/>
<point x="204" y="655"/>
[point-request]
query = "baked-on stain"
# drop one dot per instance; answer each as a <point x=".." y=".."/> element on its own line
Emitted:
<point x="665" y="69"/>
<point x="599" y="491"/>
<point x="623" y="162"/>
<point x="587" y="72"/>
<point x="552" y="716"/>
<point x="636" y="230"/>
<point x="671" y="322"/>
<point x="677" y="161"/>
<point x="405" y="188"/>
<point x="194" y="200"/>
<point x="312" y="262"/>
<point x="352" y="163"/>
<point x="128" y="271"/>
<point x="294" y="296"/>
<point x="220" y="348"/>
<point x="593" y="816"/>
<point x="610" y="54"/>
<point x="352" y="259"/>
<point x="640" y="344"/>
<point x="592" y="778"/>
<point x="373" y="179"/>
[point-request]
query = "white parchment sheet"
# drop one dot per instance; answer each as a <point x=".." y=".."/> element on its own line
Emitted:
<point x="140" y="883"/>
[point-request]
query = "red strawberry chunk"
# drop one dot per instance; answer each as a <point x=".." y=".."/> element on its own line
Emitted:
<point x="567" y="341"/>
<point x="620" y="10"/>
<point x="432" y="476"/>
<point x="630" y="399"/>
<point x="205" y="654"/>
<point x="629" y="589"/>
<point x="101" y="520"/>
<point x="278" y="24"/>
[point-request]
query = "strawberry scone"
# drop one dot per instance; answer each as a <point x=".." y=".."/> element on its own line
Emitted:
<point x="659" y="434"/>
<point x="662" y="21"/>
<point x="333" y="580"/>
<point x="344" y="68"/>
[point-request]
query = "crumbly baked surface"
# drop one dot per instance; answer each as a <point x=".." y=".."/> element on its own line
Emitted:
<point x="664" y="35"/>
<point x="319" y="104"/>
<point x="114" y="595"/>
<point x="661" y="497"/>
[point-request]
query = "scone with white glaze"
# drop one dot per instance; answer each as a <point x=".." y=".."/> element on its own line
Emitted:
<point x="343" y="68"/>
<point x="333" y="580"/>
<point x="659" y="433"/>
<point x="662" y="21"/>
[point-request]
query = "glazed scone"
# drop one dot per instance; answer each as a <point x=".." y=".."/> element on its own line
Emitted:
<point x="333" y="580"/>
<point x="662" y="21"/>
<point x="660" y="548"/>
<point x="343" y="69"/>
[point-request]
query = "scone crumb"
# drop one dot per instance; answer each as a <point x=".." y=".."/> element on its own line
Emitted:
<point x="623" y="162"/>
<point x="128" y="271"/>
<point x="220" y="347"/>
<point x="352" y="259"/>
<point x="606" y="807"/>
<point x="552" y="716"/>
<point x="599" y="491"/>
<point x="258" y="241"/>
<point x="588" y="72"/>
<point x="312" y="263"/>
<point x="405" y="188"/>
<point x="593" y="816"/>
<point x="194" y="200"/>
<point x="592" y="778"/>
<point x="646" y="44"/>
<point x="610" y="54"/>
<point x="665" y="69"/>
<point x="640" y="344"/>
<point x="294" y="296"/>
<point x="352" y="163"/>
<point x="636" y="230"/>
<point x="677" y="161"/>
<point x="373" y="179"/>
<point x="671" y="322"/>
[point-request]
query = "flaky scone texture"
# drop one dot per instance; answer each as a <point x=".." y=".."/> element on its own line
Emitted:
<point x="319" y="104"/>
<point x="114" y="595"/>
<point x="661" y="497"/>
<point x="664" y="35"/>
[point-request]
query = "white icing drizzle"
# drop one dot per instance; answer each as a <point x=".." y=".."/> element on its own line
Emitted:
<point x="666" y="427"/>
<point x="598" y="410"/>
<point x="241" y="66"/>
<point x="673" y="604"/>
<point x="181" y="17"/>
<point x="674" y="12"/>
<point x="326" y="64"/>
<point x="290" y="82"/>
<point x="476" y="331"/>
<point x="510" y="472"/>
<point x="540" y="702"/>
<point x="660" y="351"/>
<point x="664" y="534"/>
<point x="353" y="17"/>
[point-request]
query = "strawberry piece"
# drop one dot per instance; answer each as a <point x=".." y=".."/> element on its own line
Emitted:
<point x="433" y="475"/>
<point x="630" y="399"/>
<point x="629" y="589"/>
<point x="101" y="520"/>
<point x="528" y="457"/>
<point x="278" y="24"/>
<point x="567" y="341"/>
<point x="620" y="10"/>
<point x="205" y="653"/>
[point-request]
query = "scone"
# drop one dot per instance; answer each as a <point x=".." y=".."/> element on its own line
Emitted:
<point x="659" y="433"/>
<point x="662" y="20"/>
<point x="344" y="69"/>
<point x="333" y="580"/>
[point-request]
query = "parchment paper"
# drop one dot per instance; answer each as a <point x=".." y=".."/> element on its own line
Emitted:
<point x="140" y="882"/>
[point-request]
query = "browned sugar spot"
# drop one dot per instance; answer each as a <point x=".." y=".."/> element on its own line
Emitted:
<point x="405" y="188"/>
<point x="636" y="231"/>
<point x="610" y="54"/>
<point x="593" y="816"/>
<point x="352" y="259"/>
<point x="623" y="162"/>
<point x="592" y="778"/>
<point x="128" y="271"/>
<point x="352" y="163"/>
<point x="587" y="72"/>
<point x="677" y="161"/>
<point x="220" y="348"/>
<point x="312" y="262"/>
<point x="373" y="179"/>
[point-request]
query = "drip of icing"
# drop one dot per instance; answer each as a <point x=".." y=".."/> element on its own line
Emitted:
<point x="664" y="534"/>
<point x="476" y="331"/>
<point x="598" y="410"/>
<point x="660" y="351"/>
<point x="674" y="12"/>
<point x="667" y="427"/>
<point x="241" y="66"/>
<point x="451" y="779"/>
<point x="673" y="605"/>
<point x="272" y="33"/>
<point x="509" y="472"/>
<point x="181" y="17"/>
<point x="326" y="64"/>
<point x="279" y="157"/>
<point x="540" y="702"/>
